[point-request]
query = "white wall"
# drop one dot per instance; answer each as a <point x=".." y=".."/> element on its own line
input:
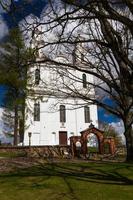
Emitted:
<point x="42" y="131"/>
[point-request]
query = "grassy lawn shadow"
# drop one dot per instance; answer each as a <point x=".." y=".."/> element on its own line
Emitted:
<point x="70" y="178"/>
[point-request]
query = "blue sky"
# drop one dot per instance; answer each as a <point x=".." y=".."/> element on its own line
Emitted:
<point x="24" y="8"/>
<point x="104" y="115"/>
<point x="2" y="94"/>
<point x="36" y="7"/>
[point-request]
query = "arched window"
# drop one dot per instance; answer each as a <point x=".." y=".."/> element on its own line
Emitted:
<point x="84" y="80"/>
<point x="37" y="112"/>
<point x="87" y="114"/>
<point x="62" y="113"/>
<point x="37" y="76"/>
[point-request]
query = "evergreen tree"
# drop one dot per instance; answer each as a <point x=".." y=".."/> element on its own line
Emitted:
<point x="15" y="59"/>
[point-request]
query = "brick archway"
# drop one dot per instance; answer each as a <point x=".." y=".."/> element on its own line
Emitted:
<point x="97" y="133"/>
<point x="84" y="138"/>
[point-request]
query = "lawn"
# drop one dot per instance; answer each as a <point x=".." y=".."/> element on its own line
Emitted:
<point x="12" y="154"/>
<point x="69" y="181"/>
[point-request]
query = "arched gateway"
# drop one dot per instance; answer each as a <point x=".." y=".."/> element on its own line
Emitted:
<point x="83" y="139"/>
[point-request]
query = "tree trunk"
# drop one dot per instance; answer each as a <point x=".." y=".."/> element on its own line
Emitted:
<point x="22" y="125"/>
<point x="16" y="125"/>
<point x="129" y="143"/>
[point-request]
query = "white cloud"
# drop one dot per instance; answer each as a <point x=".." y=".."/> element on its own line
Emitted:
<point x="1" y="123"/>
<point x="119" y="127"/>
<point x="1" y="111"/>
<point x="3" y="28"/>
<point x="3" y="138"/>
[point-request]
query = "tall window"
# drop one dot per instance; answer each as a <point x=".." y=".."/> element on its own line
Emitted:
<point x="62" y="113"/>
<point x="82" y="57"/>
<point x="87" y="114"/>
<point x="84" y="80"/>
<point x="74" y="54"/>
<point x="37" y="76"/>
<point x="74" y="57"/>
<point x="37" y="112"/>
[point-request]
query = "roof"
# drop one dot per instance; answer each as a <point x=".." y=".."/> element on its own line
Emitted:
<point x="92" y="128"/>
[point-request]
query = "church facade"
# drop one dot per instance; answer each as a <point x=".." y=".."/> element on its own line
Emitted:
<point x="55" y="113"/>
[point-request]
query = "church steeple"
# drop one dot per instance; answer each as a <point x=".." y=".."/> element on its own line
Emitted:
<point x="78" y="52"/>
<point x="37" y="41"/>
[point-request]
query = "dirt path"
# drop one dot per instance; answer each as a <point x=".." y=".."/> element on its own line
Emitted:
<point x="10" y="164"/>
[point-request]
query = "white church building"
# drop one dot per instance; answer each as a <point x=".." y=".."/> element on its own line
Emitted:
<point x="53" y="113"/>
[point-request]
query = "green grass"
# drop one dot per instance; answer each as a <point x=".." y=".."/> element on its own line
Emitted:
<point x="69" y="181"/>
<point x="12" y="154"/>
<point x="92" y="150"/>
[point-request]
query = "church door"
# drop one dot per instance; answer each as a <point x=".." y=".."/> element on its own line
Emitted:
<point x="62" y="138"/>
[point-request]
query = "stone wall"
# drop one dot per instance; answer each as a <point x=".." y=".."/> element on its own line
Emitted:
<point x="38" y="151"/>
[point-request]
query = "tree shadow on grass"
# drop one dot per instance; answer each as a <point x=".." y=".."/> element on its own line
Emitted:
<point x="38" y="177"/>
<point x="92" y="173"/>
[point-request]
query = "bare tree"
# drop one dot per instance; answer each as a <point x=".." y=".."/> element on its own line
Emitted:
<point x="104" y="31"/>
